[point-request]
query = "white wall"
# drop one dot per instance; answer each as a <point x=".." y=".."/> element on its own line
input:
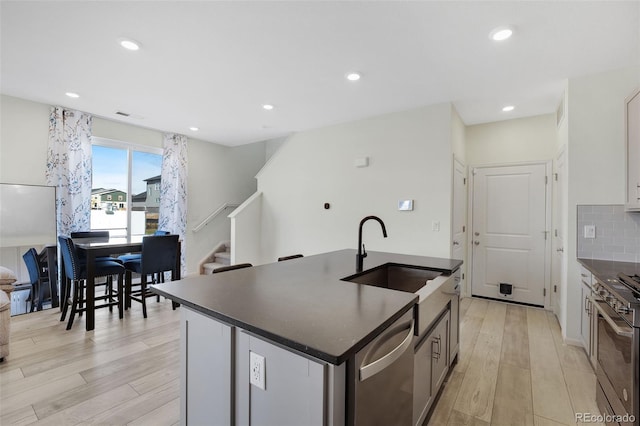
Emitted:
<point x="23" y="141"/>
<point x="596" y="161"/>
<point x="458" y="137"/>
<point x="216" y="173"/>
<point x="246" y="223"/>
<point x="512" y="141"/>
<point x="409" y="158"/>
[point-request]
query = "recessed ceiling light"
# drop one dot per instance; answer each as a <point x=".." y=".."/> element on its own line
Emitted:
<point x="72" y="95"/>
<point x="501" y="33"/>
<point x="194" y="129"/>
<point x="129" y="44"/>
<point x="353" y="76"/>
<point x="508" y="108"/>
<point x="268" y="107"/>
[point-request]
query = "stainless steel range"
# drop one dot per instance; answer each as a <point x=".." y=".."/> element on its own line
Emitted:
<point x="617" y="302"/>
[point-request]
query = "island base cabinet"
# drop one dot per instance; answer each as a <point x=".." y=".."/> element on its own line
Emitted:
<point x="298" y="390"/>
<point x="206" y="376"/>
<point x="431" y="364"/>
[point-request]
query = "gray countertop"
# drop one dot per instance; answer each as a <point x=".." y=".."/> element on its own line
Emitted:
<point x="605" y="270"/>
<point x="303" y="303"/>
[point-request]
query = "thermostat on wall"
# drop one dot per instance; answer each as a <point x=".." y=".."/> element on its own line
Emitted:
<point x="405" y="205"/>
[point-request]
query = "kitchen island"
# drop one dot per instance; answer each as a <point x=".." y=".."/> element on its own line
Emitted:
<point x="304" y="323"/>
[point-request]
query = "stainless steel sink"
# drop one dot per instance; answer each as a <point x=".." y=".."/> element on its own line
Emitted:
<point x="434" y="290"/>
<point x="395" y="277"/>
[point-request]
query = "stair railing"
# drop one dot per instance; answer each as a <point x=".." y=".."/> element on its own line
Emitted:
<point x="213" y="215"/>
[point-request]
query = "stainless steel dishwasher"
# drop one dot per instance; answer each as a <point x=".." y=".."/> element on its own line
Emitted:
<point x="381" y="377"/>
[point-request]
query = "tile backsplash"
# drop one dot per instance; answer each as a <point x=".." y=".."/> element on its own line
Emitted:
<point x="617" y="233"/>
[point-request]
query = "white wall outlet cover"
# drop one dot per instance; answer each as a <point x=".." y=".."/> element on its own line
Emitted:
<point x="589" y="231"/>
<point x="257" y="370"/>
<point x="435" y="226"/>
<point x="361" y="162"/>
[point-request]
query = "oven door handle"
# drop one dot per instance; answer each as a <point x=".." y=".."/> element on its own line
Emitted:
<point x="616" y="328"/>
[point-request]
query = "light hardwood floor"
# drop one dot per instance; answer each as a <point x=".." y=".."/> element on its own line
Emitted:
<point x="513" y="370"/>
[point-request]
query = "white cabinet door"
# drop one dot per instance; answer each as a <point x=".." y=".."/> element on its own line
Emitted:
<point x="633" y="152"/>
<point x="206" y="354"/>
<point x="585" y="319"/>
<point x="439" y="357"/>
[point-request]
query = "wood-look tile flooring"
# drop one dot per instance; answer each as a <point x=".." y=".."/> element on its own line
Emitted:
<point x="513" y="370"/>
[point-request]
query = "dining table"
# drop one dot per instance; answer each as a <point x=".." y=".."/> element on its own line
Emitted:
<point x="93" y="248"/>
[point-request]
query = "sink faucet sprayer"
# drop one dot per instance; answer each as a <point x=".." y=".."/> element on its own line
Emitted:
<point x="362" y="253"/>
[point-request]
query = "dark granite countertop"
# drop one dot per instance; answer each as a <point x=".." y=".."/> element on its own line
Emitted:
<point x="303" y="303"/>
<point x="605" y="270"/>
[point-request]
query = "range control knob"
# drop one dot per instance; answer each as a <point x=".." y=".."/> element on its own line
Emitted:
<point x="622" y="309"/>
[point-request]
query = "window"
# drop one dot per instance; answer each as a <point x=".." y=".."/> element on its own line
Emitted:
<point x="124" y="169"/>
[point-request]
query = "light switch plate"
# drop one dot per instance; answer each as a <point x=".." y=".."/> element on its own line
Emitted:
<point x="257" y="370"/>
<point x="589" y="231"/>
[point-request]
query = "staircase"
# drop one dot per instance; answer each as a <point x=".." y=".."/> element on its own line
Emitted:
<point x="219" y="256"/>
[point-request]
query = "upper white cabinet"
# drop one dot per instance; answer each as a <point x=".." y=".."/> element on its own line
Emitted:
<point x="633" y="151"/>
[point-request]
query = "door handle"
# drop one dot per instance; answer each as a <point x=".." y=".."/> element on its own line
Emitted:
<point x="476" y="243"/>
<point x="436" y="354"/>
<point x="455" y="243"/>
<point x="560" y="250"/>
<point x="616" y="328"/>
<point x="477" y="234"/>
<point x="377" y="366"/>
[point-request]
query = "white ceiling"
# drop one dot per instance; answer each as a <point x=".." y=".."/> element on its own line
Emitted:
<point x="213" y="64"/>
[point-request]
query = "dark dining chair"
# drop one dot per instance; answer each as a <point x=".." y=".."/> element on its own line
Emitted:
<point x="37" y="276"/>
<point x="159" y="255"/>
<point x="134" y="256"/>
<point x="98" y="236"/>
<point x="231" y="267"/>
<point x="293" y="256"/>
<point x="75" y="285"/>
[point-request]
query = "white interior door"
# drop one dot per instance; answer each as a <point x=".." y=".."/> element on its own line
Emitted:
<point x="559" y="261"/>
<point x="509" y="232"/>
<point x="459" y="218"/>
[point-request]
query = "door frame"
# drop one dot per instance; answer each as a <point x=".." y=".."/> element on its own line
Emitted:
<point x="465" y="247"/>
<point x="556" y="300"/>
<point x="548" y="221"/>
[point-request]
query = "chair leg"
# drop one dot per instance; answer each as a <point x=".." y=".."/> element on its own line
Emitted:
<point x="108" y="290"/>
<point x="143" y="293"/>
<point x="120" y="296"/>
<point x="33" y="297"/>
<point x="67" y="295"/>
<point x="127" y="289"/>
<point x="81" y="296"/>
<point x="40" y="295"/>
<point x="74" y="303"/>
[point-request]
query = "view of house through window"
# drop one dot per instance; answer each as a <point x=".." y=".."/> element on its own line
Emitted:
<point x="125" y="194"/>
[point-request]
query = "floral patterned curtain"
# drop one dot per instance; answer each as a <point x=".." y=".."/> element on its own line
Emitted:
<point x="173" y="189"/>
<point x="69" y="168"/>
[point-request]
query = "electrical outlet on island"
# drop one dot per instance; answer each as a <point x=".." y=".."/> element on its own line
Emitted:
<point x="256" y="370"/>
